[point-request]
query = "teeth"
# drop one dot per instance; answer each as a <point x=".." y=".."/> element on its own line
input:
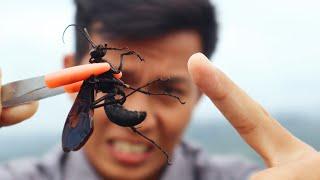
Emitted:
<point x="126" y="147"/>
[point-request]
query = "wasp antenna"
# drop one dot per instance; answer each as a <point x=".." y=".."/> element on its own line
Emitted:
<point x="75" y="25"/>
<point x="86" y="34"/>
<point x="65" y="32"/>
<point x="83" y="30"/>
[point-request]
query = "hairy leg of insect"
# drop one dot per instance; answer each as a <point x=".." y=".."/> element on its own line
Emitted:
<point x="91" y="60"/>
<point x="112" y="69"/>
<point x="137" y="89"/>
<point x="127" y="54"/>
<point x="103" y="104"/>
<point x="111" y="101"/>
<point x="94" y="104"/>
<point x="152" y="142"/>
<point x="118" y="49"/>
<point x="161" y="94"/>
<point x="150" y="93"/>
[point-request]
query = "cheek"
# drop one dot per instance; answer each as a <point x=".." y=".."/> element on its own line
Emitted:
<point x="174" y="121"/>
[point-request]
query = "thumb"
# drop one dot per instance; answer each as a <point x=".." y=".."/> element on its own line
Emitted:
<point x="13" y="115"/>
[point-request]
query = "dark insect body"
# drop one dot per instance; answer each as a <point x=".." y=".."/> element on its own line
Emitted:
<point x="79" y="123"/>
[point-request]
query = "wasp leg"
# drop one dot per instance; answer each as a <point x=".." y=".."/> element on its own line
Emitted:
<point x="91" y="60"/>
<point x="138" y="89"/>
<point x="125" y="54"/>
<point x="122" y="57"/>
<point x="150" y="93"/>
<point x="159" y="94"/>
<point x="118" y="49"/>
<point x="113" y="70"/>
<point x="103" y="104"/>
<point x="111" y="99"/>
<point x="135" y="130"/>
<point x="128" y="54"/>
<point x="96" y="102"/>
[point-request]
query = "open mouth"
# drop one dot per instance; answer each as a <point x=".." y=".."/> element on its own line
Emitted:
<point x="129" y="152"/>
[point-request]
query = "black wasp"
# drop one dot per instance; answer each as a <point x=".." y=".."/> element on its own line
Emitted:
<point x="79" y="123"/>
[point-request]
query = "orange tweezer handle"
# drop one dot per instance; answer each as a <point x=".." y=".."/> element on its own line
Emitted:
<point x="75" y="87"/>
<point x="75" y="74"/>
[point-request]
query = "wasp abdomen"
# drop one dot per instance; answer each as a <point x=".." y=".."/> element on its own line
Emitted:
<point x="123" y="117"/>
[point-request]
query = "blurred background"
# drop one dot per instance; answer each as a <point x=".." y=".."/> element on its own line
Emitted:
<point x="269" y="48"/>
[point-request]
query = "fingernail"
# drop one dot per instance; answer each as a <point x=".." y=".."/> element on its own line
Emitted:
<point x="202" y="56"/>
<point x="203" y="72"/>
<point x="196" y="57"/>
<point x="196" y="64"/>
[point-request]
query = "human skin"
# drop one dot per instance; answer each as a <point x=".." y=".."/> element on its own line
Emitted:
<point x="286" y="156"/>
<point x="165" y="57"/>
<point x="14" y="115"/>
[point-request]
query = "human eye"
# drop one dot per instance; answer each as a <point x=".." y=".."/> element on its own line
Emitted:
<point x="167" y="93"/>
<point x="173" y="90"/>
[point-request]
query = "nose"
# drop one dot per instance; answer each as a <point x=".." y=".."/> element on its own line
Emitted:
<point x="141" y="102"/>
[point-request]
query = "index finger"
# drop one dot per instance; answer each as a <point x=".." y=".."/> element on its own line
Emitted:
<point x="264" y="134"/>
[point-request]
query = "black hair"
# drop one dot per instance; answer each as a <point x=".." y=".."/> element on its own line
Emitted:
<point x="143" y="19"/>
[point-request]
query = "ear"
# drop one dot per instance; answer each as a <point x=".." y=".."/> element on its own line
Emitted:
<point x="68" y="61"/>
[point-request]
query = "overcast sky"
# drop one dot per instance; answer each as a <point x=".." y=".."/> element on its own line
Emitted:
<point x="269" y="48"/>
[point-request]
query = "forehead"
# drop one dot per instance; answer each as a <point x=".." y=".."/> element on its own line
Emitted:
<point x="165" y="56"/>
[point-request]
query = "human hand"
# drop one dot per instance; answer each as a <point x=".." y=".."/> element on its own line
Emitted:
<point x="286" y="156"/>
<point x="16" y="114"/>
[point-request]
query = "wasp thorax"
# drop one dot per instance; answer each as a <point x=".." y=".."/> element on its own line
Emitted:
<point x="98" y="52"/>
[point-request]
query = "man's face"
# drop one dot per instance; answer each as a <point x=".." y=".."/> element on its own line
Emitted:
<point x="116" y="151"/>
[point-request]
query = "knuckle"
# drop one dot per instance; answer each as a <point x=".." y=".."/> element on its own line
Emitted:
<point x="246" y="125"/>
<point x="246" y="129"/>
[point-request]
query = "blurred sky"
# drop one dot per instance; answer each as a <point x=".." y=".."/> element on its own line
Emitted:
<point x="270" y="48"/>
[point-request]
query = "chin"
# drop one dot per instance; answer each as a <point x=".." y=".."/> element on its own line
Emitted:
<point x="125" y="163"/>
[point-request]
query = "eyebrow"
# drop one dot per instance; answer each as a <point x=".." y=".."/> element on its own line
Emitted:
<point x="129" y="74"/>
<point x="176" y="80"/>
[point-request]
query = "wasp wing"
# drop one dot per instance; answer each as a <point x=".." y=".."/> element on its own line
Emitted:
<point x="79" y="124"/>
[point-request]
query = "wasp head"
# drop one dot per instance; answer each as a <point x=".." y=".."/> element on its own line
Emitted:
<point x="98" y="52"/>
